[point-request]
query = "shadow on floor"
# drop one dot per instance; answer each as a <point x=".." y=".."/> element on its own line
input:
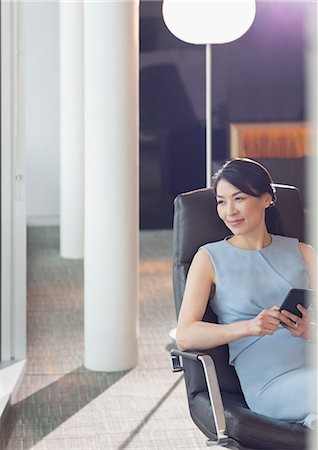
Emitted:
<point x="33" y="418"/>
<point x="149" y="415"/>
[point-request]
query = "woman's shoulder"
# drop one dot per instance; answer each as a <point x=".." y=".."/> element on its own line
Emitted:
<point x="282" y="238"/>
<point x="215" y="251"/>
<point x="309" y="255"/>
<point x="213" y="245"/>
<point x="286" y="242"/>
<point x="308" y="252"/>
<point x="203" y="265"/>
<point x="294" y="242"/>
<point x="306" y="248"/>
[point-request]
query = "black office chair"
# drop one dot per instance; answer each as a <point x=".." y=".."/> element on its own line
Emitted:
<point x="215" y="398"/>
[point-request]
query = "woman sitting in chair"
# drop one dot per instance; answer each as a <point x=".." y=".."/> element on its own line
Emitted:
<point x="246" y="276"/>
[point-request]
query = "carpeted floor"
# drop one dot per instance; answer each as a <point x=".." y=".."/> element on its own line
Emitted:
<point x="62" y="405"/>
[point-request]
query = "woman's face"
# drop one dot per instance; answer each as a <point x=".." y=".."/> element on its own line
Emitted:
<point x="241" y="213"/>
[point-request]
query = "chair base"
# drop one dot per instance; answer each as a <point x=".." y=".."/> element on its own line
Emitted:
<point x="223" y="441"/>
<point x="228" y="443"/>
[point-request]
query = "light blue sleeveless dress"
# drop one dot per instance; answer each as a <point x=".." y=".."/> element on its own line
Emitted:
<point x="275" y="373"/>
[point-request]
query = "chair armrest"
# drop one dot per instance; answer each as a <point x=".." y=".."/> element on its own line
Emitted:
<point x="176" y="358"/>
<point x="212" y="385"/>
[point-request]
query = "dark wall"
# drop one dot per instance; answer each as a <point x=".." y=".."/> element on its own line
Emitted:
<point x="258" y="78"/>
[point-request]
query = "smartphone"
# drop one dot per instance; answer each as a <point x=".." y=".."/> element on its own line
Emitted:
<point x="304" y="297"/>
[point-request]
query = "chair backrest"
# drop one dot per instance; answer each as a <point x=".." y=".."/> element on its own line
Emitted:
<point x="196" y="223"/>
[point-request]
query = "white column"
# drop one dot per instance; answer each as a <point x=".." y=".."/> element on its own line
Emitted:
<point x="312" y="118"/>
<point x="13" y="212"/>
<point x="71" y="129"/>
<point x="19" y="256"/>
<point x="111" y="184"/>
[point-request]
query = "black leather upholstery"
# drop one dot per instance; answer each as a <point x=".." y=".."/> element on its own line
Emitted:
<point x="196" y="223"/>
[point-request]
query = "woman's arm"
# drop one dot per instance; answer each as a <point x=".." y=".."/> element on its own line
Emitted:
<point x="192" y="333"/>
<point x="306" y="326"/>
<point x="310" y="257"/>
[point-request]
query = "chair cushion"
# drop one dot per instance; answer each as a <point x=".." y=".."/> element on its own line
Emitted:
<point x="251" y="430"/>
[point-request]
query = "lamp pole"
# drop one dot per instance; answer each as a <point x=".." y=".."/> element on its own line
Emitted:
<point x="209" y="22"/>
<point x="208" y="114"/>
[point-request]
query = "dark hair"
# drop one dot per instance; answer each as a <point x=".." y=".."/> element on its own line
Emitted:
<point x="253" y="179"/>
<point x="248" y="176"/>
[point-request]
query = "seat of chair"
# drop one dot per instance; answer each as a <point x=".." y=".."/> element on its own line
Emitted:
<point x="246" y="427"/>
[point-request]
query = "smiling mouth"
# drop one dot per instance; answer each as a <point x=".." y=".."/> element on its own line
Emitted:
<point x="234" y="223"/>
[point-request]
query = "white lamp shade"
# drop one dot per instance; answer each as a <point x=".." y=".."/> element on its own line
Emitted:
<point x="209" y="21"/>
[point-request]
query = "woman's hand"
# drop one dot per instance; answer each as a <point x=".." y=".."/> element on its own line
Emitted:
<point x="297" y="326"/>
<point x="266" y="322"/>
